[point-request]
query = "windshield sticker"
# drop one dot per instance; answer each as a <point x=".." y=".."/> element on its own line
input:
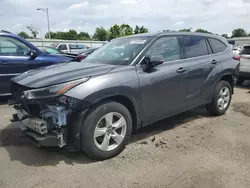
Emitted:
<point x="137" y="41"/>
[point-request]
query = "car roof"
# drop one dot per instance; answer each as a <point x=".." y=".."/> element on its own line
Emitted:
<point x="170" y="33"/>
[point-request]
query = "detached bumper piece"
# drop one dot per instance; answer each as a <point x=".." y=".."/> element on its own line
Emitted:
<point x="40" y="132"/>
<point x="39" y="140"/>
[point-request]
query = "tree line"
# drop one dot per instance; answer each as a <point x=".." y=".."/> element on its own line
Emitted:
<point x="102" y="34"/>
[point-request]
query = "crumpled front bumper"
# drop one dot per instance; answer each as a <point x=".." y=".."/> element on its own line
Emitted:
<point x="46" y="140"/>
<point x="39" y="140"/>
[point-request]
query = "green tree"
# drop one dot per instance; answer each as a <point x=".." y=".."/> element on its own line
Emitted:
<point x="139" y="29"/>
<point x="225" y="35"/>
<point x="83" y="36"/>
<point x="126" y="30"/>
<point x="114" y="31"/>
<point x="239" y="33"/>
<point x="24" y="35"/>
<point x="101" y="34"/>
<point x="186" y="30"/>
<point x="53" y="35"/>
<point x="34" y="31"/>
<point x="202" y="31"/>
<point x="71" y="35"/>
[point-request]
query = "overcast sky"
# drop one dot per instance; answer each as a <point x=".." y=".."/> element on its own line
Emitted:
<point x="218" y="16"/>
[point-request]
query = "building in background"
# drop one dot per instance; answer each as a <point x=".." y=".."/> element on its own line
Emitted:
<point x="239" y="41"/>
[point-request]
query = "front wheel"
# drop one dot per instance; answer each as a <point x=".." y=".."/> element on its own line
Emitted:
<point x="221" y="99"/>
<point x="106" y="130"/>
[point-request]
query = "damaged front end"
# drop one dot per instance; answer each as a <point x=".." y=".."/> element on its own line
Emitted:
<point x="45" y="113"/>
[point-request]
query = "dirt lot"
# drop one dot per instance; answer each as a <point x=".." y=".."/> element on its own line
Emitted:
<point x="191" y="150"/>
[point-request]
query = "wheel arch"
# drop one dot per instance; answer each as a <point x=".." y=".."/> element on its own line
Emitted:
<point x="125" y="100"/>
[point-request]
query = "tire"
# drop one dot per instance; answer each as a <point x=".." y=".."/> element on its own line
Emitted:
<point x="239" y="81"/>
<point x="216" y="108"/>
<point x="98" y="119"/>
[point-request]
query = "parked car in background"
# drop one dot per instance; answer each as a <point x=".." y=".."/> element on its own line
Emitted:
<point x="244" y="69"/>
<point x="52" y="50"/>
<point x="95" y="105"/>
<point x="80" y="54"/>
<point x="18" y="55"/>
<point x="66" y="47"/>
<point x="236" y="50"/>
<point x="83" y="54"/>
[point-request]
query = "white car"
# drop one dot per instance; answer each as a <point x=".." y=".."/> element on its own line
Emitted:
<point x="66" y="47"/>
<point x="236" y="50"/>
<point x="244" y="69"/>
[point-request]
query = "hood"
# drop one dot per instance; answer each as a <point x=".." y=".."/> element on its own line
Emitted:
<point x="60" y="73"/>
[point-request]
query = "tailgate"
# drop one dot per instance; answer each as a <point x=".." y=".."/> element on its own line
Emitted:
<point x="245" y="63"/>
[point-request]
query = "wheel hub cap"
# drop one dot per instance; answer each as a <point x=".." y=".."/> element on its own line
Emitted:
<point x="223" y="98"/>
<point x="110" y="131"/>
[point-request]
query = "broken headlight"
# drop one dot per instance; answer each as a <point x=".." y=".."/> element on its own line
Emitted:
<point x="54" y="90"/>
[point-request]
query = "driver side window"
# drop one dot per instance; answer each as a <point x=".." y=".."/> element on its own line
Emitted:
<point x="168" y="47"/>
<point x="13" y="47"/>
<point x="62" y="47"/>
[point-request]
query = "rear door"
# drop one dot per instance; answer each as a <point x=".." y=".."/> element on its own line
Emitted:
<point x="14" y="59"/>
<point x="245" y="60"/>
<point x="201" y="64"/>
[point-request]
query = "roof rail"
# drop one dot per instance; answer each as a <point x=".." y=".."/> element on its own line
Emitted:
<point x="4" y="31"/>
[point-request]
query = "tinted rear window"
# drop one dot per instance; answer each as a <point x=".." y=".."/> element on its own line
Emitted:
<point x="217" y="46"/>
<point x="245" y="50"/>
<point x="195" y="46"/>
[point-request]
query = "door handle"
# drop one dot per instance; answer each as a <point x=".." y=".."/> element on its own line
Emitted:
<point x="214" y="62"/>
<point x="181" y="70"/>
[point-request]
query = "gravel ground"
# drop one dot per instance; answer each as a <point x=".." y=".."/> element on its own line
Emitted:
<point x="190" y="150"/>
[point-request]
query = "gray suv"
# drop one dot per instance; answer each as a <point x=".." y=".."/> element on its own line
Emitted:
<point x="94" y="105"/>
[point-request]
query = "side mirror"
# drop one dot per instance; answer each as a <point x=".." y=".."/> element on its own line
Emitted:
<point x="149" y="62"/>
<point x="33" y="54"/>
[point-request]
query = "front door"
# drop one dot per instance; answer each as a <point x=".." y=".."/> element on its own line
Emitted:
<point x="14" y="59"/>
<point x="164" y="90"/>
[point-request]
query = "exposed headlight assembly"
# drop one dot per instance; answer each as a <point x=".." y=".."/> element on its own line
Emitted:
<point x="54" y="90"/>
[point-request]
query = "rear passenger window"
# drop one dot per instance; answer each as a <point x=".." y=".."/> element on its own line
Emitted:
<point x="195" y="46"/>
<point x="217" y="46"/>
<point x="168" y="47"/>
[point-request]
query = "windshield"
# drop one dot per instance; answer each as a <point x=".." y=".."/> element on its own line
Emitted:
<point x="50" y="50"/>
<point x="119" y="51"/>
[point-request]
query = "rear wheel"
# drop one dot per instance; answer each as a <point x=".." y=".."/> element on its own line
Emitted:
<point x="106" y="130"/>
<point x="221" y="99"/>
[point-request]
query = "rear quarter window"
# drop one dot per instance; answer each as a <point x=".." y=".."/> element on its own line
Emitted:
<point x="216" y="45"/>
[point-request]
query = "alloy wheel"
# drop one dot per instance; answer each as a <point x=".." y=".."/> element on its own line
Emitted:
<point x="110" y="131"/>
<point x="223" y="98"/>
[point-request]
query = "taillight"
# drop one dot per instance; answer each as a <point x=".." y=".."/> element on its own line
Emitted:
<point x="80" y="57"/>
<point x="236" y="57"/>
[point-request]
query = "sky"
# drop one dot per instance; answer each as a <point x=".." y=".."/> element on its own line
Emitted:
<point x="217" y="16"/>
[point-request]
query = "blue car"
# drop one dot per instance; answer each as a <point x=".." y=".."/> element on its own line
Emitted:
<point x="18" y="55"/>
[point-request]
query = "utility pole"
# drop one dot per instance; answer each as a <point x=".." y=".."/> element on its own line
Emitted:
<point x="46" y="10"/>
